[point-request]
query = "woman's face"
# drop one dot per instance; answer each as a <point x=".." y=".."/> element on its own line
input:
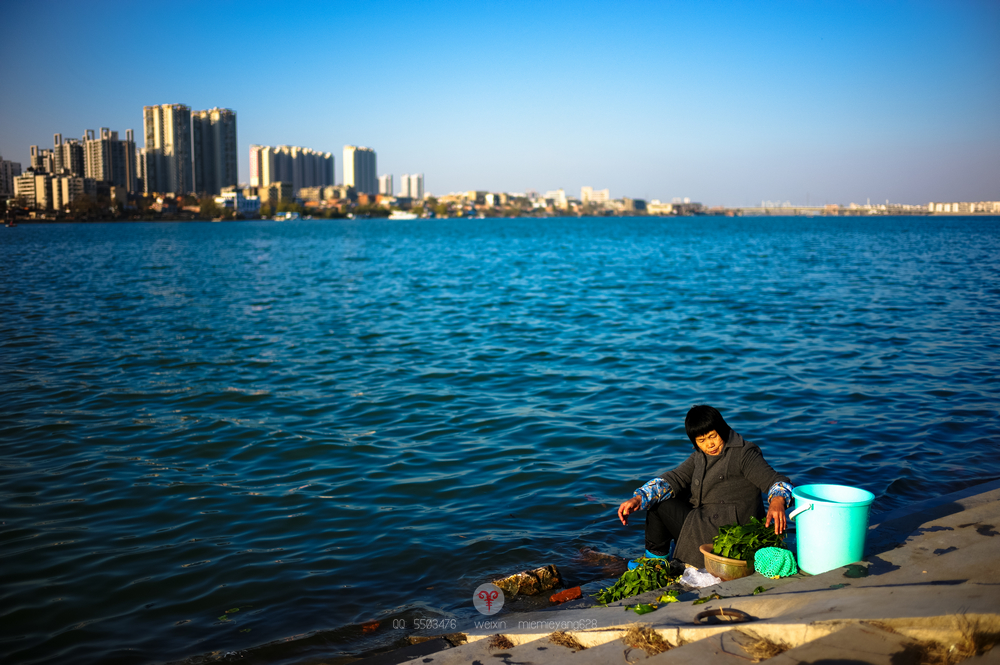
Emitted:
<point x="710" y="444"/>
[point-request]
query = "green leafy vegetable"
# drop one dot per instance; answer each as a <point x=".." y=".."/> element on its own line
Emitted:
<point x="742" y="541"/>
<point x="714" y="596"/>
<point x="669" y="597"/>
<point x="758" y="590"/>
<point x="649" y="575"/>
<point x="641" y="608"/>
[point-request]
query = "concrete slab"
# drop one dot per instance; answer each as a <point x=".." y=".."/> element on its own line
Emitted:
<point x="725" y="648"/>
<point x="853" y="644"/>
<point x="614" y="651"/>
<point x="888" y="530"/>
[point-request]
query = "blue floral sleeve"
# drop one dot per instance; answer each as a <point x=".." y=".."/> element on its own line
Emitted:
<point x="784" y="490"/>
<point x="654" y="491"/>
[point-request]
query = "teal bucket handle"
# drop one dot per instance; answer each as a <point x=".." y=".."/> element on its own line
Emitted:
<point x="801" y="509"/>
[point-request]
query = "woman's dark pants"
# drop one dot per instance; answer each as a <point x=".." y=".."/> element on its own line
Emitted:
<point x="664" y="522"/>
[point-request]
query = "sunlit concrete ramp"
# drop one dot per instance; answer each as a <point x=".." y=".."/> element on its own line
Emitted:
<point x="930" y="585"/>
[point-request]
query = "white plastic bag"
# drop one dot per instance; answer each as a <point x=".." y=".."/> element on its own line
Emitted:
<point x="699" y="578"/>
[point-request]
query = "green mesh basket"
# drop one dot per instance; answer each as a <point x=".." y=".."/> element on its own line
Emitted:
<point x="774" y="562"/>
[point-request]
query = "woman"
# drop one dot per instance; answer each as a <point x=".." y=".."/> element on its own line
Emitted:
<point x="719" y="484"/>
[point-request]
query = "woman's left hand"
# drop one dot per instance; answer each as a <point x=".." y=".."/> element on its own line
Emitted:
<point x="776" y="512"/>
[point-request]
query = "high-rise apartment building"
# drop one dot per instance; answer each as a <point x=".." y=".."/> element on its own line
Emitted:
<point x="256" y="165"/>
<point x="360" y="169"/>
<point x="412" y="185"/>
<point x="42" y="160"/>
<point x="299" y="167"/>
<point x="385" y="184"/>
<point x="166" y="157"/>
<point x="213" y="150"/>
<point x="8" y="171"/>
<point x="68" y="156"/>
<point x="106" y="158"/>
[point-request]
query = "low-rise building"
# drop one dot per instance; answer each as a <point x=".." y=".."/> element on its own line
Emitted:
<point x="950" y="208"/>
<point x="556" y="198"/>
<point x="339" y="192"/>
<point x="311" y="193"/>
<point x="69" y="188"/>
<point x="35" y="189"/>
<point x="165" y="204"/>
<point x="633" y="205"/>
<point x="274" y="193"/>
<point x="241" y="205"/>
<point x="655" y="207"/>
<point x="688" y="207"/>
<point x="118" y="195"/>
<point x="475" y="197"/>
<point x="590" y="195"/>
<point x="964" y="208"/>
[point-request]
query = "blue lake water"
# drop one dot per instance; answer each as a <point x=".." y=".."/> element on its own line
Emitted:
<point x="323" y="423"/>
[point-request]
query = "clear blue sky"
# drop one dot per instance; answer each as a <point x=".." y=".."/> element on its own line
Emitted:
<point x="727" y="103"/>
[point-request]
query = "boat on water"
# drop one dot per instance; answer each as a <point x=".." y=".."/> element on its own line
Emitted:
<point x="286" y="216"/>
<point x="399" y="214"/>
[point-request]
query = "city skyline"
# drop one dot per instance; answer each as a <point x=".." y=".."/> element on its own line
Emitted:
<point x="725" y="103"/>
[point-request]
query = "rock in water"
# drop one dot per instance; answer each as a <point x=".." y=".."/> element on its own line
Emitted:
<point x="530" y="582"/>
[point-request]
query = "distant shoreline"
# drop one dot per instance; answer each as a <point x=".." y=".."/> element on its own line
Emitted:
<point x="734" y="213"/>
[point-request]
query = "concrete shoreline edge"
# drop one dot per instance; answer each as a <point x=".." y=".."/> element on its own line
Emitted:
<point x="930" y="576"/>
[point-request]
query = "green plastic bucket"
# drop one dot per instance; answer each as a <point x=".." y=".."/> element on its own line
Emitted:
<point x="831" y="522"/>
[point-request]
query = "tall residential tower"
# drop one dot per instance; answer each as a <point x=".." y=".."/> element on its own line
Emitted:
<point x="68" y="156"/>
<point x="8" y="171"/>
<point x="107" y="159"/>
<point x="412" y="185"/>
<point x="213" y="150"/>
<point x="385" y="184"/>
<point x="166" y="158"/>
<point x="359" y="169"/>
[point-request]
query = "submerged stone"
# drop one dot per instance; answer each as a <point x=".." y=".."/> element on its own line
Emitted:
<point x="530" y="582"/>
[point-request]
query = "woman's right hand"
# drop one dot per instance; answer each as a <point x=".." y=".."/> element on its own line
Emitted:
<point x="627" y="508"/>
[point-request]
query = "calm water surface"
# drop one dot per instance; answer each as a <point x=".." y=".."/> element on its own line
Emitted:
<point x="323" y="423"/>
